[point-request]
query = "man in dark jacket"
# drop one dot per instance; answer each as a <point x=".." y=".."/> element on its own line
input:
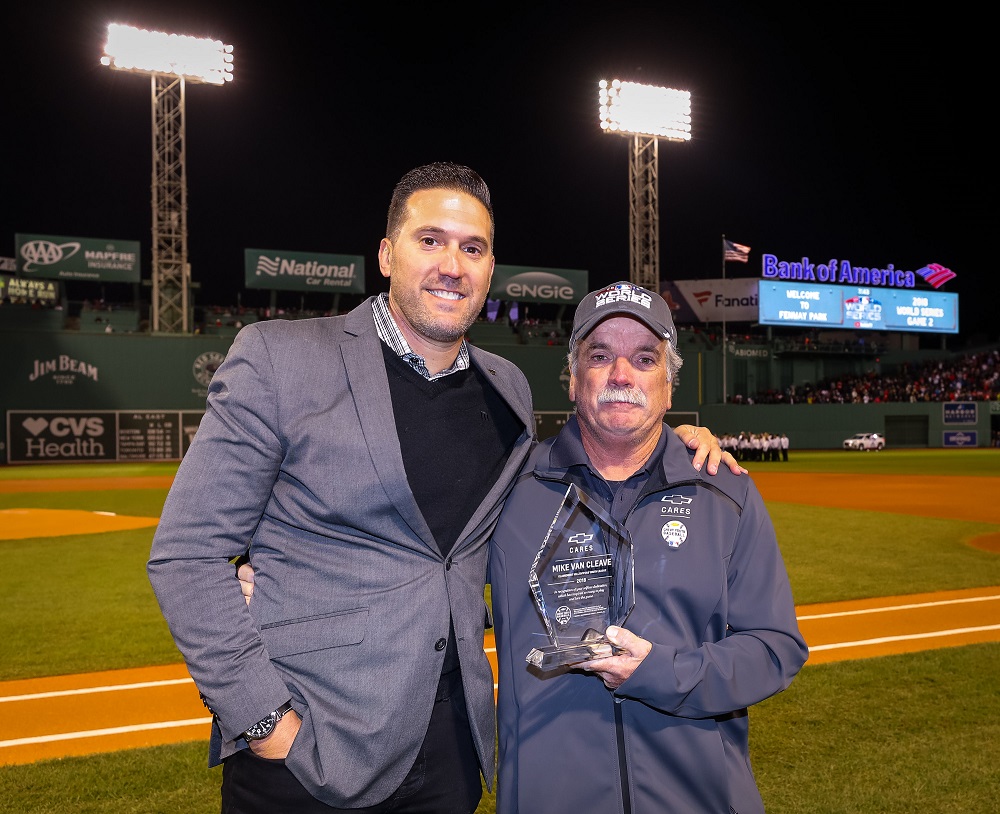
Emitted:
<point x="662" y="725"/>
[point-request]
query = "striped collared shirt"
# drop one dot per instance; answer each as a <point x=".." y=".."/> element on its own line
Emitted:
<point x="388" y="332"/>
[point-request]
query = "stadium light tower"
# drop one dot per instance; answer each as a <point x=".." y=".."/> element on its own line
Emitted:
<point x="170" y="60"/>
<point x="647" y="114"/>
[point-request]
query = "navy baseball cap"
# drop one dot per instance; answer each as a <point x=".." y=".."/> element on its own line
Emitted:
<point x="623" y="299"/>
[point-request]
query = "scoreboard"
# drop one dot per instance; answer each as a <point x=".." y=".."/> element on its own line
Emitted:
<point x="78" y="436"/>
<point x="856" y="307"/>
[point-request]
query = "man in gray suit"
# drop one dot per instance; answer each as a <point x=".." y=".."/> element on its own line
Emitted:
<point x="365" y="458"/>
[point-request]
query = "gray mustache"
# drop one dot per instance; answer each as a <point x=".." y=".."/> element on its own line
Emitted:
<point x="629" y="395"/>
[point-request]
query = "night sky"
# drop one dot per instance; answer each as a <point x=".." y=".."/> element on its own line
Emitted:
<point x="848" y="131"/>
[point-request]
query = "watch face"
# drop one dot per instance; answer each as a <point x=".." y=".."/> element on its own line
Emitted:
<point x="261" y="729"/>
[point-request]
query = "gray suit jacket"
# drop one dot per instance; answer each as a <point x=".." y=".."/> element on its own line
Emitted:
<point x="298" y="454"/>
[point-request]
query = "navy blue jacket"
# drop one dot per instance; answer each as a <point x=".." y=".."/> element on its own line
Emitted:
<point x="717" y="607"/>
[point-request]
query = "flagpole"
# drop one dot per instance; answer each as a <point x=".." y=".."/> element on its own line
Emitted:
<point x="725" y="393"/>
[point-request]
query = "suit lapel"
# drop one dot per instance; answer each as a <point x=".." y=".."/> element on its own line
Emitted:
<point x="518" y="455"/>
<point x="369" y="384"/>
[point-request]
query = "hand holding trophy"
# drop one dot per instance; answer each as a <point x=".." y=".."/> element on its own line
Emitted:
<point x="582" y="581"/>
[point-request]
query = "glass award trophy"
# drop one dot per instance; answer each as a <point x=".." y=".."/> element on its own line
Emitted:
<point x="582" y="580"/>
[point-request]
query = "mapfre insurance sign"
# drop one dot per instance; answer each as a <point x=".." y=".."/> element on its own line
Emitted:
<point x="56" y="257"/>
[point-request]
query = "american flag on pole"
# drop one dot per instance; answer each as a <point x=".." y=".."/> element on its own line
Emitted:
<point x="735" y="252"/>
<point x="936" y="274"/>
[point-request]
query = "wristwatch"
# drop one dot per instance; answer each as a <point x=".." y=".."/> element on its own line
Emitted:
<point x="265" y="726"/>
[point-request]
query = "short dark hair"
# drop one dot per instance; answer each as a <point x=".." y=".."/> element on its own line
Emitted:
<point x="439" y="175"/>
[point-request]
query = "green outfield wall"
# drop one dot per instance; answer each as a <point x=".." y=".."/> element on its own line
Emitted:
<point x="71" y="395"/>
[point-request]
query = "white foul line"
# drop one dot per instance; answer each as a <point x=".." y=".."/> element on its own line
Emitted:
<point x="883" y="639"/>
<point x="87" y="690"/>
<point x="96" y="733"/>
<point x="899" y="607"/>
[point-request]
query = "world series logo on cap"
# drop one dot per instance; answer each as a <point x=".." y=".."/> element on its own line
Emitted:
<point x="623" y="292"/>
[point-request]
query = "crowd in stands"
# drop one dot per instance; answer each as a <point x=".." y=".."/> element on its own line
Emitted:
<point x="540" y="332"/>
<point x="970" y="377"/>
<point x="808" y="344"/>
<point x="34" y="303"/>
<point x="805" y="344"/>
<point x="218" y="317"/>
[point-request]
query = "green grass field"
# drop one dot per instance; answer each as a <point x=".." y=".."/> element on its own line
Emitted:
<point x="915" y="732"/>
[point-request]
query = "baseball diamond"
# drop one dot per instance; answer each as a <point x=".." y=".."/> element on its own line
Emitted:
<point x="59" y="716"/>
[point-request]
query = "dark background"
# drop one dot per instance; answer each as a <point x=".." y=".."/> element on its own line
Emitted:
<point x="850" y="131"/>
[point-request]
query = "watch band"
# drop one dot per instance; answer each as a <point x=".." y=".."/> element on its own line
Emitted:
<point x="265" y="726"/>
